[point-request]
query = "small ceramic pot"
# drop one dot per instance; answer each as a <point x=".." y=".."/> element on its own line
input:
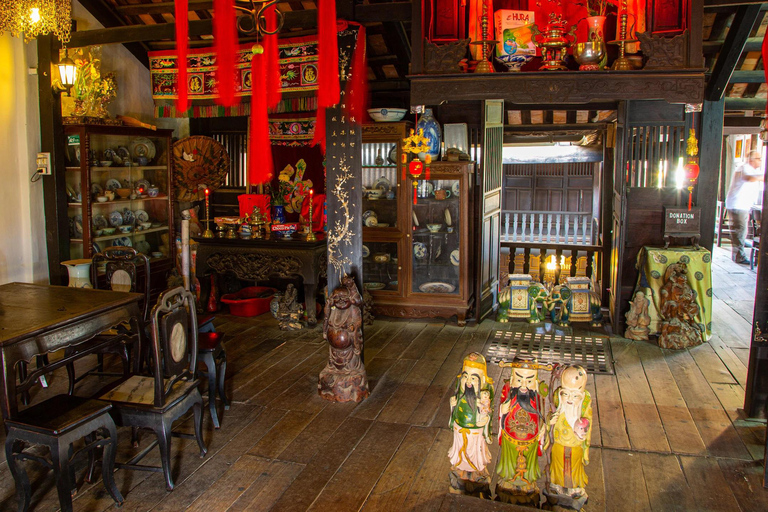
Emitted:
<point x="442" y="194"/>
<point x="126" y="229"/>
<point x="146" y="225"/>
<point x="124" y="193"/>
<point x="79" y="273"/>
<point x="110" y="195"/>
<point x="108" y="231"/>
<point x="376" y="193"/>
<point x="157" y="254"/>
<point x="434" y="228"/>
<point x="142" y="160"/>
<point x="381" y="257"/>
<point x="153" y="191"/>
<point x="101" y="199"/>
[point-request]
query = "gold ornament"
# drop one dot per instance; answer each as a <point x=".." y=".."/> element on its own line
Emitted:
<point x="692" y="148"/>
<point x="416" y="143"/>
<point x="37" y="17"/>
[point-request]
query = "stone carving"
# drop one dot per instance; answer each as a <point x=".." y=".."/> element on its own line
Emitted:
<point x="663" y="52"/>
<point x="344" y="379"/>
<point x="444" y="58"/>
<point x="678" y="310"/>
<point x="638" y="318"/>
<point x="253" y="266"/>
<point x="289" y="312"/>
<point x="521" y="433"/>
<point x="471" y="412"/>
<point x="571" y="429"/>
<point x="521" y="299"/>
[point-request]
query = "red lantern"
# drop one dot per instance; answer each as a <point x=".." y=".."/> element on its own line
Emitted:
<point x="415" y="167"/>
<point x="691" y="174"/>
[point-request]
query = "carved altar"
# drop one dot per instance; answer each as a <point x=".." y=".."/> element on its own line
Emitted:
<point x="259" y="259"/>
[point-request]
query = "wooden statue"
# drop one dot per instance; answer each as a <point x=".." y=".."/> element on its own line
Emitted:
<point x="638" y="318"/>
<point x="571" y="427"/>
<point x="471" y="411"/>
<point x="678" y="310"/>
<point x="289" y="312"/>
<point x="522" y="431"/>
<point x="368" y="317"/>
<point x="344" y="379"/>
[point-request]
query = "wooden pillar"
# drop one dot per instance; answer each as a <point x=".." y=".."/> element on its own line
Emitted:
<point x="344" y="188"/>
<point x="52" y="140"/>
<point x="756" y="396"/>
<point x="710" y="148"/>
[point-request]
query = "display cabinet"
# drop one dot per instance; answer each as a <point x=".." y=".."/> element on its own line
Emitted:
<point x="119" y="193"/>
<point x="416" y="256"/>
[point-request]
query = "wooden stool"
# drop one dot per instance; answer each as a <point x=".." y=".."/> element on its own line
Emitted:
<point x="212" y="353"/>
<point x="57" y="423"/>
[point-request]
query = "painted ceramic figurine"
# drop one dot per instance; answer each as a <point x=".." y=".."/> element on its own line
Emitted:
<point x="521" y="299"/>
<point x="577" y="303"/>
<point x="678" y="310"/>
<point x="522" y="432"/>
<point x="471" y="412"/>
<point x="638" y="318"/>
<point x="571" y="426"/>
<point x="344" y="379"/>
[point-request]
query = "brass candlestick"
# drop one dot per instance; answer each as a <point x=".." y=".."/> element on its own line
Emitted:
<point x="311" y="236"/>
<point x="484" y="65"/>
<point x="622" y="63"/>
<point x="207" y="233"/>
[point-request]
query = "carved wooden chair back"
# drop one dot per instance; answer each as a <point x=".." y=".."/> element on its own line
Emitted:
<point x="122" y="271"/>
<point x="174" y="341"/>
<point x="755" y="216"/>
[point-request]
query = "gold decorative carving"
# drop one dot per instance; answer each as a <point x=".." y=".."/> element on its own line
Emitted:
<point x="254" y="266"/>
<point x="340" y="234"/>
<point x="381" y="129"/>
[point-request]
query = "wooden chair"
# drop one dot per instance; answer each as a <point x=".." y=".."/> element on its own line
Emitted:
<point x="156" y="402"/>
<point x="213" y="354"/>
<point x="754" y="242"/>
<point x="57" y="423"/>
<point x="122" y="271"/>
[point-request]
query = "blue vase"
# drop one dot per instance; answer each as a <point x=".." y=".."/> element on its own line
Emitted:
<point x="278" y="214"/>
<point x="432" y="131"/>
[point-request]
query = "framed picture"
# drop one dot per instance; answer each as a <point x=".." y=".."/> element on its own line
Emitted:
<point x="738" y="148"/>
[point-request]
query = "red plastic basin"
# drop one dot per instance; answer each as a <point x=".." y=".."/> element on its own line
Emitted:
<point x="248" y="301"/>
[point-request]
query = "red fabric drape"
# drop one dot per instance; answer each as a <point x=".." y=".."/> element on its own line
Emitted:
<point x="260" y="165"/>
<point x="319" y="135"/>
<point x="182" y="44"/>
<point x="328" y="55"/>
<point x="357" y="87"/>
<point x="225" y="40"/>
<point x="274" y="92"/>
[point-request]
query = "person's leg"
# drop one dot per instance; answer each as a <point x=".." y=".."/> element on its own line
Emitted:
<point x="739" y="219"/>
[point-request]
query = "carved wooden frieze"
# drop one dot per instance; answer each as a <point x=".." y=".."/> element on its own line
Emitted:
<point x="684" y="86"/>
<point x="444" y="58"/>
<point x="663" y="52"/>
<point x="254" y="266"/>
<point x="449" y="168"/>
<point x="381" y="129"/>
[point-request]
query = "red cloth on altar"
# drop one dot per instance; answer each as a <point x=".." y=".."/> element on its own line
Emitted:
<point x="317" y="211"/>
<point x="248" y="201"/>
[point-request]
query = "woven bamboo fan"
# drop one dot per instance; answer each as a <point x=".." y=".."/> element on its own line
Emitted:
<point x="197" y="161"/>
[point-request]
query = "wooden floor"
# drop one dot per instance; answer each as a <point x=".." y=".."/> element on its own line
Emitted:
<point x="668" y="431"/>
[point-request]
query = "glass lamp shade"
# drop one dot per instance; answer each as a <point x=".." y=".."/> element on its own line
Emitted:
<point x="67" y="72"/>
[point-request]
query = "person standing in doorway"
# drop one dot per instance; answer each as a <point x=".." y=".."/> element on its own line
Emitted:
<point x="743" y="193"/>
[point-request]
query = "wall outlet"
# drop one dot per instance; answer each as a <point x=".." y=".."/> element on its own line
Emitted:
<point x="44" y="164"/>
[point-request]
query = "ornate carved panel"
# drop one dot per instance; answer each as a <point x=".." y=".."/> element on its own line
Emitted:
<point x="248" y="265"/>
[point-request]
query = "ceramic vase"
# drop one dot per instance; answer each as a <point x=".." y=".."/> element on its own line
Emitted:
<point x="278" y="214"/>
<point x="79" y="273"/>
<point x="596" y="35"/>
<point x="432" y="131"/>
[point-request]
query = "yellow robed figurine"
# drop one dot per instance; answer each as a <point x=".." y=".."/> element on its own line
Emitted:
<point x="571" y="425"/>
<point x="471" y="413"/>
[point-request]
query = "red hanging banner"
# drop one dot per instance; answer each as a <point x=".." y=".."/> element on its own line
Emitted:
<point x="328" y="54"/>
<point x="319" y="135"/>
<point x="182" y="44"/>
<point x="274" y="92"/>
<point x="260" y="165"/>
<point x="225" y="41"/>
<point x="357" y="87"/>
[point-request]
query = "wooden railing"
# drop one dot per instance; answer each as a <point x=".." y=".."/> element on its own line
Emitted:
<point x="551" y="263"/>
<point x="546" y="227"/>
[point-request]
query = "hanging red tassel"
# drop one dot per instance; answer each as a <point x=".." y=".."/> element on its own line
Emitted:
<point x="357" y="87"/>
<point x="260" y="165"/>
<point x="319" y="135"/>
<point x="225" y="39"/>
<point x="328" y="55"/>
<point x="274" y="92"/>
<point x="182" y="44"/>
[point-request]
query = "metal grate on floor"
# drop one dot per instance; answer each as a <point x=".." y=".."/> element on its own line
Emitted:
<point x="591" y="352"/>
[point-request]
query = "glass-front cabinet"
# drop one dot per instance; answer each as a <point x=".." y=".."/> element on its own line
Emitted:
<point x="416" y="252"/>
<point x="118" y="187"/>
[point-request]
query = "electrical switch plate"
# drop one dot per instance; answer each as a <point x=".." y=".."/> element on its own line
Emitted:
<point x="44" y="164"/>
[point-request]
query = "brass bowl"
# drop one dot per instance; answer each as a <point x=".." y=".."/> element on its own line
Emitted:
<point x="589" y="55"/>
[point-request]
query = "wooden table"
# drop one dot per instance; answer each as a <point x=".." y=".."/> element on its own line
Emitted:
<point x="40" y="319"/>
<point x="257" y="260"/>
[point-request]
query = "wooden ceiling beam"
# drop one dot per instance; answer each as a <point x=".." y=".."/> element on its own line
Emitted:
<point x="737" y="36"/>
<point x="162" y="7"/>
<point x="753" y="44"/>
<point x="745" y="104"/>
<point x="104" y="14"/>
<point x="730" y="3"/>
<point x="748" y="77"/>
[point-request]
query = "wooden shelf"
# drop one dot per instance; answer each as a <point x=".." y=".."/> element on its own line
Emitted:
<point x="119" y="201"/>
<point x="130" y="167"/>
<point x="132" y="233"/>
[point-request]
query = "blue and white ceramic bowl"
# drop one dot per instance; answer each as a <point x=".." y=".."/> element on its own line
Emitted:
<point x="386" y="115"/>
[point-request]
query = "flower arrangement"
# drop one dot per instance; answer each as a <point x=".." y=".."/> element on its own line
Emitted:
<point x="92" y="90"/>
<point x="282" y="191"/>
<point x="595" y="7"/>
